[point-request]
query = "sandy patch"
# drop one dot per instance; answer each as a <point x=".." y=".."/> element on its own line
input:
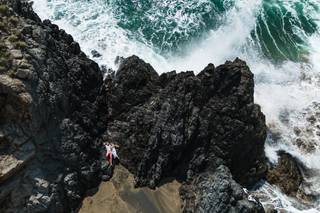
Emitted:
<point x="119" y="196"/>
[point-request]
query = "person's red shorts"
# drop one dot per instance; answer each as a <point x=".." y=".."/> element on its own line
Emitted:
<point x="109" y="157"/>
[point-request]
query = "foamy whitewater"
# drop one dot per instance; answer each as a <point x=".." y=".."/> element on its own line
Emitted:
<point x="279" y="39"/>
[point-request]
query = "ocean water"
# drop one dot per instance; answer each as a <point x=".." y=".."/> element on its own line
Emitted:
<point x="279" y="39"/>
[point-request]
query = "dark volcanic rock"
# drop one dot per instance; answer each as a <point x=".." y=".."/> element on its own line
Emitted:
<point x="203" y="130"/>
<point x="217" y="192"/>
<point x="180" y="125"/>
<point x="50" y="154"/>
<point x="95" y="54"/>
<point x="184" y="123"/>
<point x="286" y="174"/>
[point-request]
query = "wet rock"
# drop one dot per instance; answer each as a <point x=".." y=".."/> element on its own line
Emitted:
<point x="75" y="48"/>
<point x="95" y="54"/>
<point x="286" y="174"/>
<point x="312" y="119"/>
<point x="307" y="129"/>
<point x="119" y="60"/>
<point x="297" y="130"/>
<point x="218" y="192"/>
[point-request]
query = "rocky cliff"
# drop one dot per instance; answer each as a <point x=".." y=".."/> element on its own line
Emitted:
<point x="187" y="126"/>
<point x="203" y="130"/>
<point x="48" y="133"/>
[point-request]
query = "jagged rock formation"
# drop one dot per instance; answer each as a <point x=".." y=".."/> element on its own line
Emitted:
<point x="55" y="111"/>
<point x="183" y="125"/>
<point x="48" y="131"/>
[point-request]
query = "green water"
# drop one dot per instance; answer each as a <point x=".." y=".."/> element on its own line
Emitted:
<point x="281" y="30"/>
<point x="169" y="25"/>
<point x="280" y="33"/>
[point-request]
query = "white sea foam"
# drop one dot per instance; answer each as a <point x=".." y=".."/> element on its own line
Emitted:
<point x="224" y="43"/>
<point x="92" y="24"/>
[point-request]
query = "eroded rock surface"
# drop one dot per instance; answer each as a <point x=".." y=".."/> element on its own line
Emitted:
<point x="183" y="125"/>
<point x="49" y="154"/>
<point x="56" y="110"/>
<point x="217" y="192"/>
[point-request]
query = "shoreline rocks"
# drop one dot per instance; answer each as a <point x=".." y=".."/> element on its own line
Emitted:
<point x="217" y="192"/>
<point x="178" y="115"/>
<point x="185" y="125"/>
<point x="286" y="174"/>
<point x="199" y="129"/>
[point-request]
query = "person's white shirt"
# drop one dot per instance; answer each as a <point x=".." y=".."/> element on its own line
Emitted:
<point x="108" y="147"/>
<point x="252" y="198"/>
<point x="114" y="152"/>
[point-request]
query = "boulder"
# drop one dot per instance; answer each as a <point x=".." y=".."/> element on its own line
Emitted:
<point x="95" y="54"/>
<point x="218" y="192"/>
<point x="286" y="174"/>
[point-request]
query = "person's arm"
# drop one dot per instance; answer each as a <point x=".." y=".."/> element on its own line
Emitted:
<point x="115" y="145"/>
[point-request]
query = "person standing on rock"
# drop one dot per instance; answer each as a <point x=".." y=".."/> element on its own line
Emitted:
<point x="114" y="151"/>
<point x="108" y="148"/>
<point x="111" y="152"/>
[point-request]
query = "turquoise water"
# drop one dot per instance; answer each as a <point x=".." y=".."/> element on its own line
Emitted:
<point x="279" y="40"/>
<point x="169" y="25"/>
<point x="282" y="28"/>
<point x="280" y="32"/>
